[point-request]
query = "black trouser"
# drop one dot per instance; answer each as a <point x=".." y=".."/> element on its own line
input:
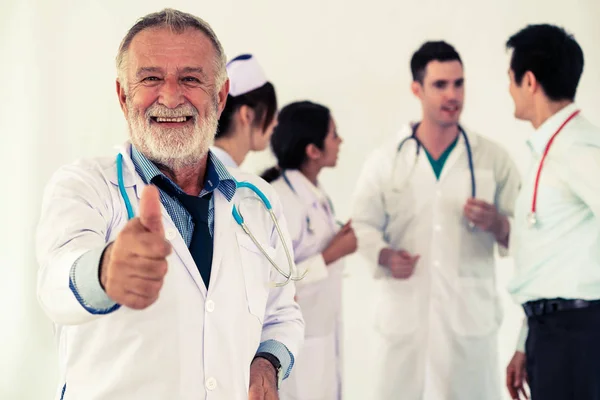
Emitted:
<point x="563" y="355"/>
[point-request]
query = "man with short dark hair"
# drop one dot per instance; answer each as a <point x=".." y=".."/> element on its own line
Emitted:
<point x="430" y="207"/>
<point x="556" y="234"/>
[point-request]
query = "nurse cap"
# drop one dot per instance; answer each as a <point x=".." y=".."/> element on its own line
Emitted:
<point x="245" y="75"/>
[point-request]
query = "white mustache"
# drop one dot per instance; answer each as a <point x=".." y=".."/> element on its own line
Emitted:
<point x="157" y="111"/>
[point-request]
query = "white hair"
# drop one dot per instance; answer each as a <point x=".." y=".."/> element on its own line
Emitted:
<point x="178" y="22"/>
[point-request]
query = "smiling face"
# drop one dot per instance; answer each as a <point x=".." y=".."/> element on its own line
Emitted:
<point x="441" y="92"/>
<point x="171" y="100"/>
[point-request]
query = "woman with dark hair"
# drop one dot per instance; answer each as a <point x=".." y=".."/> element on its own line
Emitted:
<point x="247" y="121"/>
<point x="304" y="142"/>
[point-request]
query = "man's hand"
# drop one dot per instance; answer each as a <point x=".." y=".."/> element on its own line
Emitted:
<point x="516" y="376"/>
<point x="263" y="380"/>
<point x="401" y="263"/>
<point x="486" y="217"/>
<point x="134" y="265"/>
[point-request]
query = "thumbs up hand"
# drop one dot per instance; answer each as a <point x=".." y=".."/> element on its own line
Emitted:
<point x="133" y="267"/>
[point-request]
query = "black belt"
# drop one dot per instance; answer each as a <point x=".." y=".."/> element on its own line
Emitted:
<point x="547" y="306"/>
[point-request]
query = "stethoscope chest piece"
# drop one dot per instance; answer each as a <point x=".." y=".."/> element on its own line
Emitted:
<point x="531" y="219"/>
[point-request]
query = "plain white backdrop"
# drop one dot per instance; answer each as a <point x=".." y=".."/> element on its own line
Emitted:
<point x="59" y="103"/>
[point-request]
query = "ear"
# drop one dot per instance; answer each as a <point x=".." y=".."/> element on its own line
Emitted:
<point x="222" y="96"/>
<point x="313" y="152"/>
<point x="246" y="115"/>
<point x="416" y="88"/>
<point x="121" y="93"/>
<point x="530" y="82"/>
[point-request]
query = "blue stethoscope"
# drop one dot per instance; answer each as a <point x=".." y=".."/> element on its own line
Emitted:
<point x="290" y="275"/>
<point x="413" y="136"/>
<point x="309" y="228"/>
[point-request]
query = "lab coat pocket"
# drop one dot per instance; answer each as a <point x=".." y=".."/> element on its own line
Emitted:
<point x="399" y="206"/>
<point x="255" y="267"/>
<point x="475" y="312"/>
<point x="397" y="309"/>
<point x="485" y="185"/>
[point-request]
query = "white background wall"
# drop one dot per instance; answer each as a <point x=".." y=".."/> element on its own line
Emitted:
<point x="58" y="103"/>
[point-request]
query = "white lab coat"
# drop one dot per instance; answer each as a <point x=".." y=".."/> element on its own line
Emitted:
<point x="437" y="330"/>
<point x="224" y="157"/>
<point x="317" y="371"/>
<point x="190" y="344"/>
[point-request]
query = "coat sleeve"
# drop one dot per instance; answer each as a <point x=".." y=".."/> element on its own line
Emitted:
<point x="70" y="239"/>
<point x="508" y="181"/>
<point x="369" y="218"/>
<point x="283" y="324"/>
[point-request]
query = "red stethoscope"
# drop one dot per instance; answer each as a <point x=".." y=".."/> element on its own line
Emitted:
<point x="532" y="217"/>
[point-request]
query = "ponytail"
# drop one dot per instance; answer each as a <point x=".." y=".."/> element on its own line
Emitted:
<point x="271" y="174"/>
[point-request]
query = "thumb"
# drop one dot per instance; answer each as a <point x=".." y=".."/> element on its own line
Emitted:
<point x="404" y="254"/>
<point x="150" y="215"/>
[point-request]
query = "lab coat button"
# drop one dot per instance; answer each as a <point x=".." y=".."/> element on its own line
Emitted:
<point x="170" y="234"/>
<point x="210" y="306"/>
<point x="211" y="383"/>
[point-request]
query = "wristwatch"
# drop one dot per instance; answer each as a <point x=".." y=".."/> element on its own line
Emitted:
<point x="276" y="364"/>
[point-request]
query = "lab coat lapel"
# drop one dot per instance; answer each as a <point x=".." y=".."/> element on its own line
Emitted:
<point x="458" y="153"/>
<point x="222" y="223"/>
<point x="424" y="176"/>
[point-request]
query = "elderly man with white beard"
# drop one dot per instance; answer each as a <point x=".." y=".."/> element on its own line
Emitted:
<point x="154" y="289"/>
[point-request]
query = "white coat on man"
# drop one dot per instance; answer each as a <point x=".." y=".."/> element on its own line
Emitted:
<point x="436" y="330"/>
<point x="192" y="343"/>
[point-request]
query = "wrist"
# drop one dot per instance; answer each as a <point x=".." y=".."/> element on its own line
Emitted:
<point x="104" y="260"/>
<point x="501" y="228"/>
<point x="270" y="364"/>
<point x="329" y="255"/>
<point x="384" y="257"/>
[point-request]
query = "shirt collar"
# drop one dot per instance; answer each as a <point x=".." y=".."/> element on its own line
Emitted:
<point x="540" y="138"/>
<point x="217" y="176"/>
<point x="299" y="182"/>
<point x="224" y="157"/>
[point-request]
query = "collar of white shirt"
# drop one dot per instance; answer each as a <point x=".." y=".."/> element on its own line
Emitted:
<point x="298" y="179"/>
<point x="224" y="157"/>
<point x="540" y="138"/>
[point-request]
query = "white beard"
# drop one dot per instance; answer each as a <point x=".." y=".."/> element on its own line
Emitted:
<point x="174" y="148"/>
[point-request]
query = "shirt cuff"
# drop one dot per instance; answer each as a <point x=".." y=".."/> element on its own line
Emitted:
<point x="85" y="284"/>
<point x="523" y="337"/>
<point x="279" y="350"/>
<point x="316" y="267"/>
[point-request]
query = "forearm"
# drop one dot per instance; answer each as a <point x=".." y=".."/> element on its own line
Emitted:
<point x="70" y="291"/>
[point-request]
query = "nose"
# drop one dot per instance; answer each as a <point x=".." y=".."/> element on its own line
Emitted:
<point x="171" y="95"/>
<point x="453" y="93"/>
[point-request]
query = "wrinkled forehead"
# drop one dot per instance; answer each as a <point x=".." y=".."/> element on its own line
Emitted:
<point x="162" y="48"/>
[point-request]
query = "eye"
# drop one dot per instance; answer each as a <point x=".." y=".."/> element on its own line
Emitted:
<point x="439" y="85"/>
<point x="151" y="79"/>
<point x="191" y="79"/>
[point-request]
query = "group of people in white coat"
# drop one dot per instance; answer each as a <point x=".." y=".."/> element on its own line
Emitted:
<point x="170" y="272"/>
